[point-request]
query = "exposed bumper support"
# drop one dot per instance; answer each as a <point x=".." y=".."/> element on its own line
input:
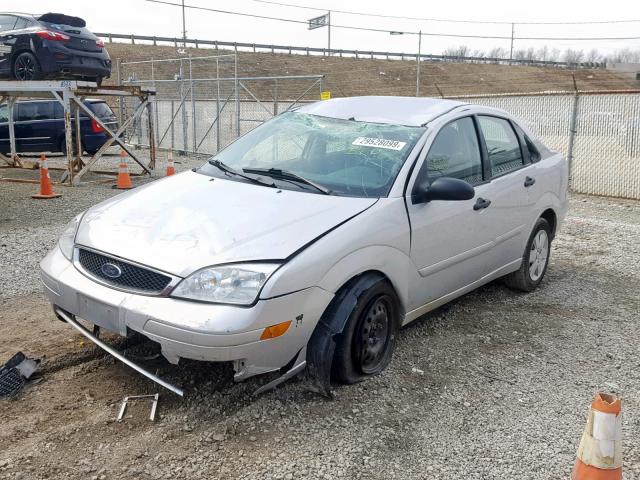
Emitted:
<point x="115" y="353"/>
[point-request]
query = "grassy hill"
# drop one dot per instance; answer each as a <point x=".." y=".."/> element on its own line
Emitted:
<point x="365" y="76"/>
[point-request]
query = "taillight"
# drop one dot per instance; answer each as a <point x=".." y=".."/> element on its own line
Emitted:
<point x="99" y="43"/>
<point x="55" y="36"/>
<point x="96" y="127"/>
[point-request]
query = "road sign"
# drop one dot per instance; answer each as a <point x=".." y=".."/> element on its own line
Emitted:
<point x="317" y="22"/>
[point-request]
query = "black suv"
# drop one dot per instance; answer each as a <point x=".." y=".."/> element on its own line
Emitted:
<point x="52" y="45"/>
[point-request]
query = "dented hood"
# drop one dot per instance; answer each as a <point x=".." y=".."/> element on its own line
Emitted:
<point x="189" y="221"/>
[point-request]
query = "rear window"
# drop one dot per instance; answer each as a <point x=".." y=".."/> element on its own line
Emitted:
<point x="60" y="19"/>
<point x="101" y="109"/>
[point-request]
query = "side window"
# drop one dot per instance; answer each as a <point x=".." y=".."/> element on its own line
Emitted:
<point x="21" y="23"/>
<point x="534" y="153"/>
<point x="455" y="152"/>
<point x="34" y="111"/>
<point x="7" y="22"/>
<point x="502" y="145"/>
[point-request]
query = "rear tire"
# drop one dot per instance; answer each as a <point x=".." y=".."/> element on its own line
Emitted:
<point x="26" y="67"/>
<point x="534" y="260"/>
<point x="366" y="345"/>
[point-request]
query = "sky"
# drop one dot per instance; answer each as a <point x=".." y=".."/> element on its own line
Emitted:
<point x="144" y="18"/>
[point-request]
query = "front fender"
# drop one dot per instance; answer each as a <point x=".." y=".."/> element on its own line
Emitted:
<point x="391" y="262"/>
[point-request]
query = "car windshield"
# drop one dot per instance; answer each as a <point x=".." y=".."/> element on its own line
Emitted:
<point x="346" y="157"/>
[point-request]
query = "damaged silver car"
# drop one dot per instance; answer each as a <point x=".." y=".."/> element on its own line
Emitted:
<point x="312" y="239"/>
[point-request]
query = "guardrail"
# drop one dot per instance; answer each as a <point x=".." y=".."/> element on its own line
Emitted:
<point x="290" y="49"/>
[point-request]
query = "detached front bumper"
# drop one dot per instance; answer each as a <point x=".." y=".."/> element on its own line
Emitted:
<point x="187" y="329"/>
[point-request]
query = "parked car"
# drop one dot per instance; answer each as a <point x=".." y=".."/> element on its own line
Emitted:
<point x="52" y="45"/>
<point x="312" y="239"/>
<point x="39" y="126"/>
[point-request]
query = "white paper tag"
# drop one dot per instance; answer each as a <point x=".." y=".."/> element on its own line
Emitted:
<point x="379" y="143"/>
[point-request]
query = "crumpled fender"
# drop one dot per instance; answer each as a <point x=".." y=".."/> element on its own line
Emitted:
<point x="322" y="344"/>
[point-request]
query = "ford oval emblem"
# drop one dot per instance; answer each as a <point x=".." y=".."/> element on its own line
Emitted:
<point x="111" y="270"/>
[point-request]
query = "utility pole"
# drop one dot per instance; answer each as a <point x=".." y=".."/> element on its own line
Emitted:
<point x="418" y="63"/>
<point x="184" y="26"/>
<point x="511" y="49"/>
<point x="329" y="32"/>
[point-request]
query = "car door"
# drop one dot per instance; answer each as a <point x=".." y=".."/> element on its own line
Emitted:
<point x="4" y="129"/>
<point x="7" y="23"/>
<point x="450" y="240"/>
<point x="511" y="176"/>
<point x="34" y="127"/>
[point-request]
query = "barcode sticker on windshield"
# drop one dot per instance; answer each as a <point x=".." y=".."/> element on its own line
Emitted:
<point x="379" y="143"/>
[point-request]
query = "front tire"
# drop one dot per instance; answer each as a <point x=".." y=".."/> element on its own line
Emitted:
<point x="534" y="260"/>
<point x="366" y="345"/>
<point x="26" y="67"/>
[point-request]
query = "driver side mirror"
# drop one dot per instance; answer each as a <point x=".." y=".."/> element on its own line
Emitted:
<point x="443" y="188"/>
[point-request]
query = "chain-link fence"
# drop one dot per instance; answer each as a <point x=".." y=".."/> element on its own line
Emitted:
<point x="599" y="132"/>
<point x="201" y="105"/>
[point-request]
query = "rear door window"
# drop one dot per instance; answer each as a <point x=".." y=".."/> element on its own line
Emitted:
<point x="21" y="23"/>
<point x="502" y="145"/>
<point x="30" y="111"/>
<point x="7" y="22"/>
<point x="101" y="109"/>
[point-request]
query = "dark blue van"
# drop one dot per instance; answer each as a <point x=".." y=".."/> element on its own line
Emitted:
<point x="39" y="126"/>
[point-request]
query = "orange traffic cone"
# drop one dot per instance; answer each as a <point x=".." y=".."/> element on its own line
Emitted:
<point x="170" y="168"/>
<point x="46" y="191"/>
<point x="600" y="452"/>
<point x="124" y="179"/>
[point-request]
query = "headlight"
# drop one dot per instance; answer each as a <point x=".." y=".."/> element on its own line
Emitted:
<point x="67" y="239"/>
<point x="238" y="284"/>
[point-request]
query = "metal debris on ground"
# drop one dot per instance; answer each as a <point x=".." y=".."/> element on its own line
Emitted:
<point x="15" y="373"/>
<point x="154" y="405"/>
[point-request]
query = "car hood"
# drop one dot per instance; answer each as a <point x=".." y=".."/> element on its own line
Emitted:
<point x="190" y="221"/>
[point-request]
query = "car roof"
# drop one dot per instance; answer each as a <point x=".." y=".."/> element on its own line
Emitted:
<point x="410" y="111"/>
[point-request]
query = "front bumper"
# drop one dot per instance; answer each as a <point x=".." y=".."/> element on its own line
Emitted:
<point x="187" y="329"/>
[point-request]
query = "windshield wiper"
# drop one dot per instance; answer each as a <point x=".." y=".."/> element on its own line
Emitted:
<point x="227" y="169"/>
<point x="287" y="175"/>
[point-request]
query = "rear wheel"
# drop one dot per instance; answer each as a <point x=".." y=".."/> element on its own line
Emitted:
<point x="366" y="345"/>
<point x="26" y="67"/>
<point x="534" y="260"/>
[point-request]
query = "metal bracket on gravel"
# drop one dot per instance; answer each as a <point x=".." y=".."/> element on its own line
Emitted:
<point x="67" y="318"/>
<point x="154" y="405"/>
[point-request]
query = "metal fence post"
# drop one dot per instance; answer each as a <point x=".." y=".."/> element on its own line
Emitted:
<point x="120" y="99"/>
<point x="573" y="128"/>
<point x="12" y="132"/>
<point x="218" y="105"/>
<point x="193" y="108"/>
<point x="155" y="102"/>
<point x="237" y="87"/>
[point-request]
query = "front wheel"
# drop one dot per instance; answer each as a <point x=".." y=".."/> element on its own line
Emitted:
<point x="534" y="260"/>
<point x="366" y="345"/>
<point x="26" y="67"/>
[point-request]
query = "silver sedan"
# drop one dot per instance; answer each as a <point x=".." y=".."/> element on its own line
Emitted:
<point x="312" y="239"/>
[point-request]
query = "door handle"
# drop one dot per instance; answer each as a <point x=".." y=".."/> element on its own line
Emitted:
<point x="529" y="181"/>
<point x="481" y="203"/>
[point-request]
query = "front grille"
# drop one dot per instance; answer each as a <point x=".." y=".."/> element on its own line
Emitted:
<point x="131" y="277"/>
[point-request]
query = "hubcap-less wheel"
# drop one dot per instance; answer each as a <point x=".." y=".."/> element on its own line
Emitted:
<point x="538" y="255"/>
<point x="25" y="68"/>
<point x="373" y="336"/>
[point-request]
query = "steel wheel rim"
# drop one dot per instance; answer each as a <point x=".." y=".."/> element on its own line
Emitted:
<point x="538" y="255"/>
<point x="25" y="68"/>
<point x="373" y="334"/>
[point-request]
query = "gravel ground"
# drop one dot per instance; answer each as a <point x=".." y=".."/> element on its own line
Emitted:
<point x="493" y="385"/>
